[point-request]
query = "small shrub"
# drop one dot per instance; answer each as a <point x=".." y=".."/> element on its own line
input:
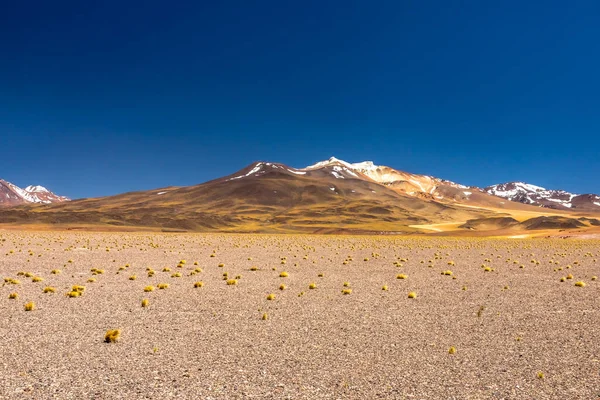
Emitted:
<point x="232" y="282"/>
<point x="149" y="288"/>
<point x="346" y="291"/>
<point x="162" y="285"/>
<point x="412" y="295"/>
<point x="384" y="287"/>
<point x="282" y="287"/>
<point x="580" y="284"/>
<point x="452" y="350"/>
<point x="30" y="306"/>
<point x="145" y="303"/>
<point x="312" y="285"/>
<point x="283" y="274"/>
<point x="401" y="276"/>
<point x="37" y="279"/>
<point x="198" y="284"/>
<point x="49" y="289"/>
<point x="112" y="335"/>
<point x="271" y="296"/>
<point x="13" y="296"/>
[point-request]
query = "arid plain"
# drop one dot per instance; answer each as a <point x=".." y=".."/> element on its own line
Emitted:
<point x="490" y="318"/>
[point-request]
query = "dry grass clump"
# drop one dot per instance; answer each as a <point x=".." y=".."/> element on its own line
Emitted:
<point x="283" y="274"/>
<point x="282" y="287"/>
<point x="580" y="284"/>
<point x="401" y="276"/>
<point x="73" y="293"/>
<point x="265" y="317"/>
<point x="452" y="350"/>
<point x="132" y="278"/>
<point x="384" y="287"/>
<point x="198" y="284"/>
<point x="162" y="285"/>
<point x="13" y="296"/>
<point x="312" y="285"/>
<point x="55" y="271"/>
<point x="412" y="295"/>
<point x="346" y="291"/>
<point x="447" y="272"/>
<point x="37" y="279"/>
<point x="145" y="303"/>
<point x="166" y="269"/>
<point x="540" y="375"/>
<point x="91" y="280"/>
<point x="253" y="268"/>
<point x="30" y="306"/>
<point x="232" y="282"/>
<point x="112" y="335"/>
<point x="271" y="296"/>
<point x="49" y="289"/>
<point x="176" y="275"/>
<point x="149" y="288"/>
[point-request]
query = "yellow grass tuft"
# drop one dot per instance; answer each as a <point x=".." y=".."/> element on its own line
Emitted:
<point x="55" y="271"/>
<point x="149" y="288"/>
<point x="452" y="350"/>
<point x="265" y="317"/>
<point x="30" y="306"/>
<point x="312" y="285"/>
<point x="198" y="284"/>
<point x="282" y="287"/>
<point x="112" y="335"/>
<point x="232" y="282"/>
<point x="13" y="296"/>
<point x="132" y="278"/>
<point x="384" y="287"/>
<point x="580" y="284"/>
<point x="346" y="291"/>
<point x="37" y="279"/>
<point x="162" y="285"/>
<point x="283" y="274"/>
<point x="401" y="276"/>
<point x="412" y="295"/>
<point x="271" y="296"/>
<point x="145" y="303"/>
<point x="49" y="289"/>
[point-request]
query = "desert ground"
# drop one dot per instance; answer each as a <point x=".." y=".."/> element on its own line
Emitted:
<point x="490" y="318"/>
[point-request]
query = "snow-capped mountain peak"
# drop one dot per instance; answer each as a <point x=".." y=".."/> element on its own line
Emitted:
<point x="361" y="166"/>
<point x="532" y="194"/>
<point x="11" y="194"/>
<point x="33" y="189"/>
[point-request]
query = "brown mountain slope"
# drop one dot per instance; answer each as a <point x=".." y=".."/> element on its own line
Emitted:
<point x="264" y="197"/>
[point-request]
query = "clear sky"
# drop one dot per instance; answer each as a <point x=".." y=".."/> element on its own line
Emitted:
<point x="103" y="97"/>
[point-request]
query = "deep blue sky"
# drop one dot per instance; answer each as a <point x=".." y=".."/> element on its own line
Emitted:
<point x="98" y="98"/>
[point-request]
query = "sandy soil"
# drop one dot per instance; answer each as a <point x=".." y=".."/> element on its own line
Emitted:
<point x="508" y="326"/>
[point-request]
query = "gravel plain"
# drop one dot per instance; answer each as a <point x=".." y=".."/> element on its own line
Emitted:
<point x="518" y="331"/>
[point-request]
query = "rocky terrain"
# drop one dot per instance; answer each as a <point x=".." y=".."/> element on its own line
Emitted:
<point x="297" y="317"/>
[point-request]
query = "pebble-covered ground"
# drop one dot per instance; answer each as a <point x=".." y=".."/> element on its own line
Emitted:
<point x="490" y="319"/>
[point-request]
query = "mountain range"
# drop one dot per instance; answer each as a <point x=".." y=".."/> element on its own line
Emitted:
<point x="331" y="196"/>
